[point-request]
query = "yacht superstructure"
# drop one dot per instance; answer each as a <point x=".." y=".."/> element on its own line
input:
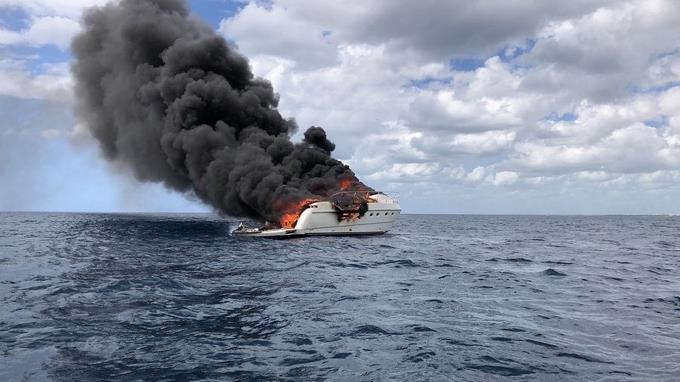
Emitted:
<point x="345" y="213"/>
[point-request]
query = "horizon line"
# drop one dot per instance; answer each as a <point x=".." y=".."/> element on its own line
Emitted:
<point x="665" y="214"/>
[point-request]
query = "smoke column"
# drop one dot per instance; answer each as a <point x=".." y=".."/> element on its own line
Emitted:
<point x="168" y="98"/>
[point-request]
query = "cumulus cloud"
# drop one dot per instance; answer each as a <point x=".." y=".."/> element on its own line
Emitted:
<point x="52" y="83"/>
<point x="66" y="8"/>
<point x="429" y="29"/>
<point x="504" y="95"/>
<point x="488" y="142"/>
<point x="42" y="31"/>
<point x="497" y="93"/>
<point x="505" y="178"/>
<point x="47" y="23"/>
<point x="607" y="50"/>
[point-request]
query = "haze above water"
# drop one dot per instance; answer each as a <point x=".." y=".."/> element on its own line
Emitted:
<point x="174" y="297"/>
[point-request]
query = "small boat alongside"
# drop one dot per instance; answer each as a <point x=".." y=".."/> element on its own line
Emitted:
<point x="345" y="213"/>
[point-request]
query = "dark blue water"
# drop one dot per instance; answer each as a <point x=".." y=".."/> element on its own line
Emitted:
<point x="174" y="297"/>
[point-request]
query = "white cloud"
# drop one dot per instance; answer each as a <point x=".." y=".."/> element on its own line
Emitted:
<point x="49" y="21"/>
<point x="477" y="174"/>
<point x="596" y="176"/>
<point x="582" y="92"/>
<point x="43" y="31"/>
<point x="429" y="30"/>
<point x="604" y="52"/>
<point x="487" y="142"/>
<point x="574" y="94"/>
<point x="633" y="149"/>
<point x="299" y="39"/>
<point x="503" y="178"/>
<point x="405" y="172"/>
<point x="53" y="83"/>
<point x="66" y="8"/>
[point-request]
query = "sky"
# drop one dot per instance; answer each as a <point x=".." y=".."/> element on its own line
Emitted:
<point x="489" y="107"/>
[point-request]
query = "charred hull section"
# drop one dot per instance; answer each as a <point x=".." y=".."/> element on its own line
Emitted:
<point x="348" y="213"/>
<point x="350" y="205"/>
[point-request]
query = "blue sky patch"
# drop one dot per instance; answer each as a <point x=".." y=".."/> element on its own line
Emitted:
<point x="425" y="83"/>
<point x="635" y="89"/>
<point x="565" y="117"/>
<point x="15" y="19"/>
<point x="507" y="55"/>
<point x="214" y="11"/>
<point x="466" y="64"/>
<point x="658" y="122"/>
<point x="35" y="58"/>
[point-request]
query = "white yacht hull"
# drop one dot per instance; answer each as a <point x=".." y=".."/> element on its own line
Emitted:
<point x="321" y="218"/>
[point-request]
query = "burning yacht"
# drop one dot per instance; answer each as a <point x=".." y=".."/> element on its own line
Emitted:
<point x="345" y="213"/>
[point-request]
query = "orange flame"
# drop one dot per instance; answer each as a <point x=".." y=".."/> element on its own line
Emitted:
<point x="292" y="211"/>
<point x="345" y="183"/>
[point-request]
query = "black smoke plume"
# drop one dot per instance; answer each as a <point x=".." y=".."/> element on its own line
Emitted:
<point x="167" y="97"/>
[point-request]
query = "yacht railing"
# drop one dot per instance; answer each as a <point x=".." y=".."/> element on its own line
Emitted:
<point x="362" y="196"/>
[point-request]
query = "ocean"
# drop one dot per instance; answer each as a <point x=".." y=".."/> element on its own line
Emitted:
<point x="174" y="297"/>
